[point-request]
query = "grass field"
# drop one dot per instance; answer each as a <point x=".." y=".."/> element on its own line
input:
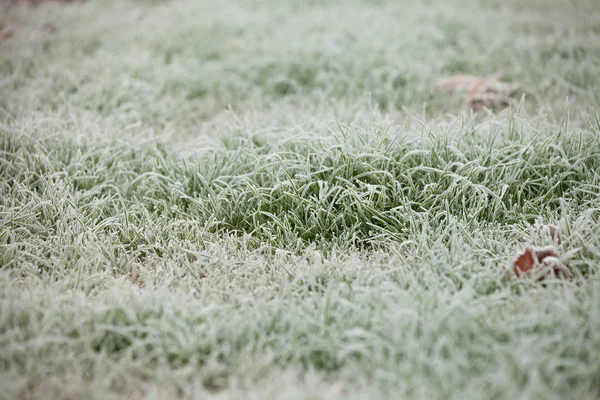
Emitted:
<point x="268" y="200"/>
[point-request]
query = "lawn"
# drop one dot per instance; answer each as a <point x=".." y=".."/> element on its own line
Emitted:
<point x="263" y="199"/>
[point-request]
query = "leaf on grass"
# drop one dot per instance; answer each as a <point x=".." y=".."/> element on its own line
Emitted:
<point x="542" y="253"/>
<point x="525" y="262"/>
<point x="478" y="91"/>
<point x="540" y="264"/>
<point x="554" y="268"/>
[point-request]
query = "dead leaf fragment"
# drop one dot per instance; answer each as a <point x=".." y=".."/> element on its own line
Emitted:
<point x="473" y="85"/>
<point x="457" y="83"/>
<point x="525" y="262"/>
<point x="554" y="268"/>
<point x="540" y="263"/>
<point x="478" y="91"/>
<point x="542" y="253"/>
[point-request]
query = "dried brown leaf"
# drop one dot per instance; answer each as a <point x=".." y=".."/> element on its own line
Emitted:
<point x="479" y="92"/>
<point x="542" y="253"/>
<point x="540" y="263"/>
<point x="525" y="262"/>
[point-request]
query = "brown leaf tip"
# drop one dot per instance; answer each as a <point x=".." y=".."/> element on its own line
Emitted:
<point x="540" y="263"/>
<point x="554" y="268"/>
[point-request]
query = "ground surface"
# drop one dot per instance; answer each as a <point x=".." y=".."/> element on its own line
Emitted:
<point x="266" y="199"/>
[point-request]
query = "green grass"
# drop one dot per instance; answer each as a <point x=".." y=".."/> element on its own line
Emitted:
<point x="269" y="200"/>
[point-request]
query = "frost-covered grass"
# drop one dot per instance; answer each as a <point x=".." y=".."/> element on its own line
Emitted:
<point x="266" y="199"/>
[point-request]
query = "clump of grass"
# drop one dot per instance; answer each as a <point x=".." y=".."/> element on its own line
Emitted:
<point x="271" y="240"/>
<point x="353" y="188"/>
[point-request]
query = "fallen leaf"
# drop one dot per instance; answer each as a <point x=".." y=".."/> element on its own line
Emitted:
<point x="458" y="83"/>
<point x="473" y="85"/>
<point x="556" y="269"/>
<point x="525" y="262"/>
<point x="479" y="92"/>
<point x="540" y="263"/>
<point x="542" y="253"/>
